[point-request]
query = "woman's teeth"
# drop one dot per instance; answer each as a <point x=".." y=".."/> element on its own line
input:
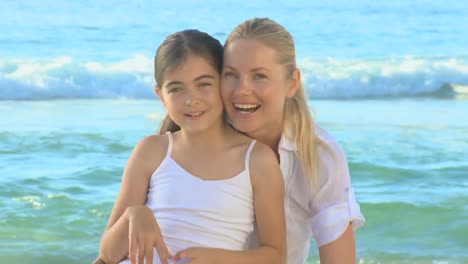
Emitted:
<point x="246" y="108"/>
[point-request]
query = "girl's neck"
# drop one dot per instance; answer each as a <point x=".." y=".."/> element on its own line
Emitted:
<point x="212" y="138"/>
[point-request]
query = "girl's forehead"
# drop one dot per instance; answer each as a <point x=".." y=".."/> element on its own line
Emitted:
<point x="188" y="69"/>
<point x="191" y="60"/>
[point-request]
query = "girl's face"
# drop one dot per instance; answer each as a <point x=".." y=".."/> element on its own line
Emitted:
<point x="254" y="87"/>
<point x="190" y="93"/>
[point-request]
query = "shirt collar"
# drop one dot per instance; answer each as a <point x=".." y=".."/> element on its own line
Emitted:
<point x="286" y="144"/>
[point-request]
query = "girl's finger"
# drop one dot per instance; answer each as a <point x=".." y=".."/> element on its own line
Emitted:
<point x="141" y="250"/>
<point x="132" y="247"/>
<point x="149" y="252"/>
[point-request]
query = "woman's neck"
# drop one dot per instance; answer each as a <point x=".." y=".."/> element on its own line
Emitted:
<point x="270" y="137"/>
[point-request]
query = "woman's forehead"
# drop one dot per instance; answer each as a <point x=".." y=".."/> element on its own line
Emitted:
<point x="247" y="50"/>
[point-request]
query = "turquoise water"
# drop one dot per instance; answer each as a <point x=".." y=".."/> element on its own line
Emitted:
<point x="62" y="162"/>
<point x="388" y="80"/>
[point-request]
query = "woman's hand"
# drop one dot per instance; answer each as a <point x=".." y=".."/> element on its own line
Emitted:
<point x="144" y="235"/>
<point x="198" y="255"/>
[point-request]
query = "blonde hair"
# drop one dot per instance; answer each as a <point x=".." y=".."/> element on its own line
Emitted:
<point x="298" y="124"/>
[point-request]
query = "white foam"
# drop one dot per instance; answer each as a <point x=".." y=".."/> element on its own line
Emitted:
<point x="405" y="77"/>
<point x="66" y="78"/>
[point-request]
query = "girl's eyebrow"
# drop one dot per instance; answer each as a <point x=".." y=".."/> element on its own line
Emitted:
<point x="196" y="79"/>
<point x="173" y="82"/>
<point x="203" y="76"/>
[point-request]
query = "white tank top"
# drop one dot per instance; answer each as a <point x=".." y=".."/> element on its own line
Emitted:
<point x="193" y="212"/>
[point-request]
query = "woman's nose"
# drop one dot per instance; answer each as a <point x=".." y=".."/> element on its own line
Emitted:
<point x="244" y="86"/>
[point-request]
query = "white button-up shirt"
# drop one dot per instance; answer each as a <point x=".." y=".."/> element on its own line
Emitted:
<point x="324" y="213"/>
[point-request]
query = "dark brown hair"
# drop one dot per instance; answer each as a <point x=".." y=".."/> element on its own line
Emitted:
<point x="174" y="51"/>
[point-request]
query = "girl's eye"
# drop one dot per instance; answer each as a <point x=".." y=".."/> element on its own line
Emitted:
<point x="201" y="85"/>
<point x="175" y="90"/>
<point x="259" y="76"/>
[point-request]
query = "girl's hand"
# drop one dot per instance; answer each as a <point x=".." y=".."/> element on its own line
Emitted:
<point x="144" y="235"/>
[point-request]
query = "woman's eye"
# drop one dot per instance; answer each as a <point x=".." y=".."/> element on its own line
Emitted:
<point x="229" y="74"/>
<point x="259" y="76"/>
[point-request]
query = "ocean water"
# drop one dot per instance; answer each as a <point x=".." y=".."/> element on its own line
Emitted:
<point x="389" y="80"/>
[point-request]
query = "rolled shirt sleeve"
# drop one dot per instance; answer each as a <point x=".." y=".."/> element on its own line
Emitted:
<point x="334" y="205"/>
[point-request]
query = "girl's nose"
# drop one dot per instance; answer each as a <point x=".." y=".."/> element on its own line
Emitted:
<point x="192" y="99"/>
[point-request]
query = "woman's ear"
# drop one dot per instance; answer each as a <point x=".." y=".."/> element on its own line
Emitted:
<point x="159" y="94"/>
<point x="294" y="83"/>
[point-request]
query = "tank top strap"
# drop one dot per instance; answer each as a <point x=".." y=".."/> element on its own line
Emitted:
<point x="247" y="155"/>
<point x="169" y="147"/>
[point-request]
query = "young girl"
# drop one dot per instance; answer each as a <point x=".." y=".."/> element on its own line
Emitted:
<point x="202" y="186"/>
<point x="264" y="98"/>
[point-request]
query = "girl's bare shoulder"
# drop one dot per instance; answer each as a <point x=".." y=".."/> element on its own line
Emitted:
<point x="151" y="150"/>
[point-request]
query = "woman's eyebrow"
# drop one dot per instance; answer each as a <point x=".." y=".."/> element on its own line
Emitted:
<point x="252" y="70"/>
<point x="260" y="68"/>
<point x="227" y="66"/>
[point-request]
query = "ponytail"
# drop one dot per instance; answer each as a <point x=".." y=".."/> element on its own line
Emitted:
<point x="168" y="125"/>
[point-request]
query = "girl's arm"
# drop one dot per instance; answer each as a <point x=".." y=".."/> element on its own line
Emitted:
<point x="135" y="182"/>
<point x="268" y="189"/>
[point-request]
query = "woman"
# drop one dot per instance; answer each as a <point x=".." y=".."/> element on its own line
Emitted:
<point x="264" y="98"/>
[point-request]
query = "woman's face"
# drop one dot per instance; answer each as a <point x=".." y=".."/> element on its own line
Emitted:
<point x="254" y="87"/>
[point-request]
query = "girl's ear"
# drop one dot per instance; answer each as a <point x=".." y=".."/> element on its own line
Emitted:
<point x="159" y="94"/>
<point x="294" y="83"/>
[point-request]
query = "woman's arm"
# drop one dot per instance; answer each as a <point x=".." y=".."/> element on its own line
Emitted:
<point x="134" y="187"/>
<point x="340" y="251"/>
<point x="268" y="188"/>
<point x="337" y="213"/>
